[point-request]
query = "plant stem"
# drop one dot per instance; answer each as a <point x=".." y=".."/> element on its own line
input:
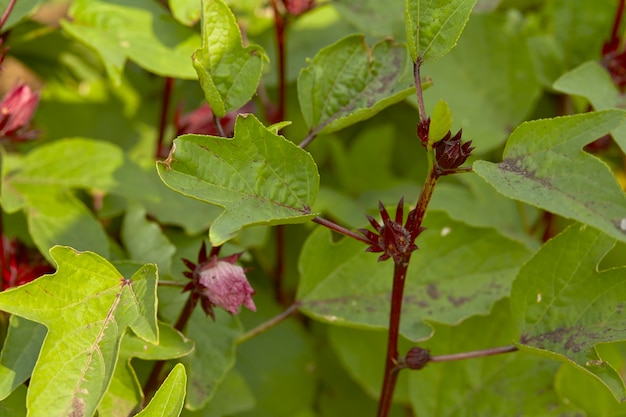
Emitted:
<point x="618" y="19"/>
<point x="218" y="126"/>
<point x="165" y="108"/>
<point x="474" y="354"/>
<point x="164" y="283"/>
<point x="340" y="229"/>
<point x="268" y="324"/>
<point x="154" y="379"/>
<point x="308" y="139"/>
<point x="426" y="194"/>
<point x="7" y="12"/>
<point x="418" y="89"/>
<point x="280" y="25"/>
<point x="391" y="362"/>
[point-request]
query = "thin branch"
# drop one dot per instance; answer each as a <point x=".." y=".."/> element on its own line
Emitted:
<point x="268" y="324"/>
<point x="218" y="126"/>
<point x="473" y="354"/>
<point x="165" y="108"/>
<point x="6" y="13"/>
<point x="308" y="139"/>
<point x="418" y="89"/>
<point x="340" y="229"/>
<point x="163" y="283"/>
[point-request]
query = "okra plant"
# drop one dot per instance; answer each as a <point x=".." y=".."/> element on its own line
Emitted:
<point x="312" y="208"/>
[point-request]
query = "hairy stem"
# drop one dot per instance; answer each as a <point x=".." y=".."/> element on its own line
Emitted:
<point x="340" y="229"/>
<point x="154" y="379"/>
<point x="425" y="196"/>
<point x="268" y="324"/>
<point x="418" y="89"/>
<point x="391" y="360"/>
<point x="165" y="109"/>
<point x="473" y="354"/>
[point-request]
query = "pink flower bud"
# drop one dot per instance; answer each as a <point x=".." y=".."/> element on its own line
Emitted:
<point x="16" y="109"/>
<point x="226" y="286"/>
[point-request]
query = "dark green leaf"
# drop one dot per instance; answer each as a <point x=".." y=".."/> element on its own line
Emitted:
<point x="543" y="165"/>
<point x="348" y="82"/>
<point x="258" y="177"/>
<point x="564" y="306"/>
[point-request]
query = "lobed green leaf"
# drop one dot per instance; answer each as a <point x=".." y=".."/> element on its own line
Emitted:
<point x="543" y="165"/>
<point x="258" y="177"/>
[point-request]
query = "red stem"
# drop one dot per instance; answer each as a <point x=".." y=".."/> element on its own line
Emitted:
<point x="280" y="25"/>
<point x="340" y="229"/>
<point x="618" y="20"/>
<point x="391" y="362"/>
<point x="6" y="13"/>
<point x="165" y="108"/>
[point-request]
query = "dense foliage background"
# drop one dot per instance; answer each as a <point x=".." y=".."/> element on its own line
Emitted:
<point x="524" y="255"/>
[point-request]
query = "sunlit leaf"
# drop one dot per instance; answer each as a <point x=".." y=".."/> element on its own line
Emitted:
<point x="86" y="306"/>
<point x="169" y="398"/>
<point x="257" y="177"/>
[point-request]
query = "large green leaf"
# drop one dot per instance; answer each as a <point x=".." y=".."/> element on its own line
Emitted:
<point x="258" y="177"/>
<point x="459" y="271"/>
<point x="143" y="31"/>
<point x="593" y="82"/>
<point x="348" y="82"/>
<point x="125" y="392"/>
<point x="86" y="306"/>
<point x="515" y="384"/>
<point x="488" y="80"/>
<point x="434" y="26"/>
<point x="19" y="353"/>
<point x="543" y="165"/>
<point x="229" y="72"/>
<point x="564" y="306"/>
<point x="169" y="398"/>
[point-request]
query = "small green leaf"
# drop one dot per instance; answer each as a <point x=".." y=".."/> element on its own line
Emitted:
<point x="458" y="272"/>
<point x="592" y="81"/>
<point x="144" y="32"/>
<point x="564" y="306"/>
<point x="229" y="72"/>
<point x="169" y="398"/>
<point x="544" y="166"/>
<point x="19" y="353"/>
<point x="348" y="82"/>
<point x="257" y="177"/>
<point x="440" y="122"/>
<point x="86" y="306"/>
<point x="434" y="26"/>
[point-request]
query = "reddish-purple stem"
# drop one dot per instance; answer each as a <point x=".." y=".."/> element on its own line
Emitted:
<point x="473" y="354"/>
<point x="165" y="109"/>
<point x="6" y="13"/>
<point x="391" y="360"/>
<point x="618" y="19"/>
<point x="340" y="229"/>
<point x="280" y="25"/>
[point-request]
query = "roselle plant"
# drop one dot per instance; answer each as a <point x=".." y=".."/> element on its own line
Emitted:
<point x="399" y="208"/>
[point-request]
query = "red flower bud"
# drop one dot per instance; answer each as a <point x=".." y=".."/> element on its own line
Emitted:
<point x="423" y="127"/>
<point x="16" y="110"/>
<point x="297" y="7"/>
<point x="451" y="154"/>
<point x="417" y="358"/>
<point x="226" y="286"/>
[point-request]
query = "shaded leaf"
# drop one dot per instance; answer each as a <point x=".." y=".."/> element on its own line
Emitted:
<point x="19" y="353"/>
<point x="86" y="306"/>
<point x="347" y="82"/>
<point x="232" y="396"/>
<point x="372" y="17"/>
<point x="514" y="384"/>
<point x="564" y="306"/>
<point x="459" y="271"/>
<point x="143" y="31"/>
<point x="169" y="398"/>
<point x="592" y="81"/>
<point x="434" y="26"/>
<point x="229" y="72"/>
<point x="20" y="10"/>
<point x="187" y="12"/>
<point x="257" y="177"/>
<point x="543" y="165"/>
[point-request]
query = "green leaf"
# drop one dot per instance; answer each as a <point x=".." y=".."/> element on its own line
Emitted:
<point x="19" y="353"/>
<point x="564" y="306"/>
<point x="86" y="307"/>
<point x="440" y="122"/>
<point x="20" y="10"/>
<point x="543" y="165"/>
<point x="434" y="26"/>
<point x="348" y="82"/>
<point x="169" y="398"/>
<point x="125" y="392"/>
<point x="232" y="397"/>
<point x="458" y="272"/>
<point x="515" y="384"/>
<point x="186" y="12"/>
<point x="15" y="404"/>
<point x="143" y="31"/>
<point x="229" y="72"/>
<point x="373" y="17"/>
<point x="488" y="80"/>
<point x="592" y="81"/>
<point x="257" y="177"/>
<point x="145" y="240"/>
